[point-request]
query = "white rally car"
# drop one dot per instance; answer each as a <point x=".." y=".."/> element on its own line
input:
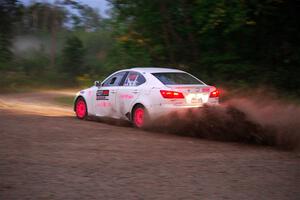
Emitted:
<point x="142" y="94"/>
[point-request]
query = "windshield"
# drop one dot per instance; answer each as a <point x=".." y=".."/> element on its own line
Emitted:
<point x="177" y="78"/>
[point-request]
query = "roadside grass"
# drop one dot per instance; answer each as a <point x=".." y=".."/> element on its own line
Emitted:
<point x="19" y="88"/>
<point x="18" y="82"/>
<point x="64" y="100"/>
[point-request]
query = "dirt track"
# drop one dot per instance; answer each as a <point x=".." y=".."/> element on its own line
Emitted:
<point x="46" y="153"/>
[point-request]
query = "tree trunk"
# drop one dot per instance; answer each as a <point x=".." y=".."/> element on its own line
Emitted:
<point x="53" y="38"/>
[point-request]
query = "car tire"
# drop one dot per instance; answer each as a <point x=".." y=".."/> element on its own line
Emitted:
<point x="81" y="108"/>
<point x="140" y="116"/>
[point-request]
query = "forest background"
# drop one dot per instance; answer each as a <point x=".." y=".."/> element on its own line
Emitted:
<point x="230" y="44"/>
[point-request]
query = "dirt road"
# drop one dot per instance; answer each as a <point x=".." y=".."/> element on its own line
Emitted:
<point x="46" y="153"/>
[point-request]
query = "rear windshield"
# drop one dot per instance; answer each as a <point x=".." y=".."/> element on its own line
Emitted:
<point x="176" y="78"/>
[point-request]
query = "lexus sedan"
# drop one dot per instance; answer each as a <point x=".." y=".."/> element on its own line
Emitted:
<point x="142" y="94"/>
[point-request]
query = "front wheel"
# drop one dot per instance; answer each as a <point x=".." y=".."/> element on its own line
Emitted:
<point x="81" y="108"/>
<point x="139" y="116"/>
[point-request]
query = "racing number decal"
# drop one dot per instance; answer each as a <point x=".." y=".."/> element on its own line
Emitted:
<point x="102" y="94"/>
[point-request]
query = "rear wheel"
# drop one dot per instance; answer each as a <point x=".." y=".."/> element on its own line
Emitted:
<point x="81" y="108"/>
<point x="139" y="116"/>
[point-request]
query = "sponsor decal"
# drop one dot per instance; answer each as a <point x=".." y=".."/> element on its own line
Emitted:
<point x="126" y="96"/>
<point x="104" y="104"/>
<point x="102" y="94"/>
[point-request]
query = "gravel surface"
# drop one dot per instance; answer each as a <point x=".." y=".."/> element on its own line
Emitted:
<point x="46" y="153"/>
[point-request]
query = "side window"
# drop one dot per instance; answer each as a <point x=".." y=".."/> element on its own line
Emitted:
<point x="134" y="79"/>
<point x="114" y="80"/>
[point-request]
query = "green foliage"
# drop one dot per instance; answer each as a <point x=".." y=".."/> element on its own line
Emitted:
<point x="9" y="13"/>
<point x="239" y="43"/>
<point x="33" y="64"/>
<point x="97" y="44"/>
<point x="72" y="57"/>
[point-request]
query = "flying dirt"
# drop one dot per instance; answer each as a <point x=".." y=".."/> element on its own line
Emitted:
<point x="239" y="120"/>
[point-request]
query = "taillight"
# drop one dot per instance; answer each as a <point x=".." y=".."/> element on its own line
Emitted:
<point x="171" y="94"/>
<point x="214" y="94"/>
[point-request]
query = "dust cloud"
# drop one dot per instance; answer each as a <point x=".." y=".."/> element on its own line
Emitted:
<point x="255" y="119"/>
<point x="25" y="44"/>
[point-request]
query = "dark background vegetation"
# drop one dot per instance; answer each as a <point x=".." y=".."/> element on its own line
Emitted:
<point x="233" y="43"/>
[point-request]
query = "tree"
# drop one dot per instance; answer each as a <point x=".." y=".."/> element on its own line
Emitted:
<point x="41" y="17"/>
<point x="45" y="17"/>
<point x="73" y="57"/>
<point x="9" y="13"/>
<point x="233" y="41"/>
<point x="87" y="18"/>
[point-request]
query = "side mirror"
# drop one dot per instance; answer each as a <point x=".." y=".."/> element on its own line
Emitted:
<point x="97" y="83"/>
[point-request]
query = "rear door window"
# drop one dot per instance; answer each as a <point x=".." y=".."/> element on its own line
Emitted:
<point x="134" y="79"/>
<point x="177" y="78"/>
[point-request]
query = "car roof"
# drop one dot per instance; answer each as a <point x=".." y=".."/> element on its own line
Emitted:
<point x="154" y="69"/>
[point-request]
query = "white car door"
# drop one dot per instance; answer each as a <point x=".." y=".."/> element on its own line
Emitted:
<point x="105" y="103"/>
<point x="129" y="92"/>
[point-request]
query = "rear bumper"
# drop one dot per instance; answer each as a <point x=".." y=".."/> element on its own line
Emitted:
<point x="156" y="111"/>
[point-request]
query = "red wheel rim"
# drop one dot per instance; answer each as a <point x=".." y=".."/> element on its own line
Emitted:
<point x="139" y="117"/>
<point x="80" y="108"/>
